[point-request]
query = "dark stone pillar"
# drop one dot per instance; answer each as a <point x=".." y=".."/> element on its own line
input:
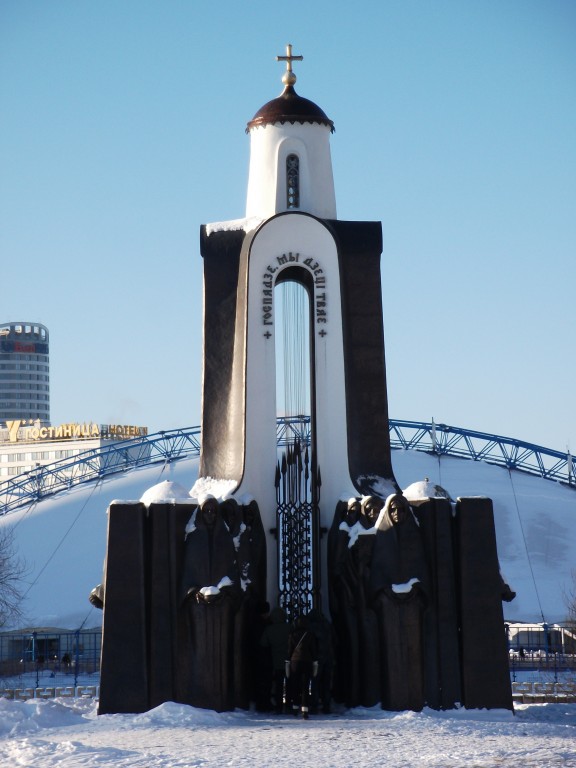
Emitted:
<point x="167" y="525"/>
<point x="124" y="664"/>
<point x="400" y="620"/>
<point x="485" y="671"/>
<point x="359" y="252"/>
<point x="222" y="451"/>
<point x="442" y="652"/>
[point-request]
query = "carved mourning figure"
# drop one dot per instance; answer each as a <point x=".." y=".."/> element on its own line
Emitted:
<point x="398" y="584"/>
<point x="350" y="548"/>
<point x="210" y="592"/>
<point x="232" y="515"/>
<point x="245" y="527"/>
<point x="363" y="552"/>
<point x="252" y="563"/>
<point x="342" y="600"/>
<point x="252" y="552"/>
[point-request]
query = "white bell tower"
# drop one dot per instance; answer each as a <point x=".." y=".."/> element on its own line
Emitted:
<point x="291" y="233"/>
<point x="290" y="162"/>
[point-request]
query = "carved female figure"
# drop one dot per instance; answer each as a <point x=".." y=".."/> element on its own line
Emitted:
<point x="398" y="584"/>
<point x="350" y="554"/>
<point x="342" y="578"/>
<point x="210" y="589"/>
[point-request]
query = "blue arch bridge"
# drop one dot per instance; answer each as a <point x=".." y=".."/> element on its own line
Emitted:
<point x="168" y="446"/>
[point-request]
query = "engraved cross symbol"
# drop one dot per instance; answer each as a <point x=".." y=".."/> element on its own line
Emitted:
<point x="267" y="334"/>
<point x="322" y="333"/>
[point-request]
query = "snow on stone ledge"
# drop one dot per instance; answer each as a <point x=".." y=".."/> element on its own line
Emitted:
<point x="424" y="489"/>
<point x="234" y="224"/>
<point x="379" y="486"/>
<point x="210" y="486"/>
<point x="166" y="491"/>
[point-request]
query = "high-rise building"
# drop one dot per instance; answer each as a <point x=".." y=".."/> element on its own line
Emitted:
<point x="24" y="372"/>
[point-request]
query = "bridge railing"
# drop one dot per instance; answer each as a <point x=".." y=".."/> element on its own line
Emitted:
<point x="168" y="446"/>
<point x="95" y="464"/>
<point x="507" y="452"/>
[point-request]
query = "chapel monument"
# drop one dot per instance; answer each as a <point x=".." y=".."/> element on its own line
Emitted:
<point x="413" y="591"/>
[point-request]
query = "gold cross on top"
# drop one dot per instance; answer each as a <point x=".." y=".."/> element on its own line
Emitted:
<point x="289" y="78"/>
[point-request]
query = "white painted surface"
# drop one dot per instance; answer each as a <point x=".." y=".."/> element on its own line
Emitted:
<point x="313" y="248"/>
<point x="269" y="147"/>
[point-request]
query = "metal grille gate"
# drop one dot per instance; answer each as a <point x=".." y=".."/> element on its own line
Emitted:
<point x="298" y="527"/>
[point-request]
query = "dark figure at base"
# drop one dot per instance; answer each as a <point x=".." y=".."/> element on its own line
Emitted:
<point x="301" y="666"/>
<point x="322" y="683"/>
<point x="274" y="642"/>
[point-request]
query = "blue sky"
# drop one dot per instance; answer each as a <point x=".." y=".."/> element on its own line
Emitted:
<point x="122" y="131"/>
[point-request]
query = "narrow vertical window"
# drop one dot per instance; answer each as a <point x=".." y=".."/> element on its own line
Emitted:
<point x="292" y="181"/>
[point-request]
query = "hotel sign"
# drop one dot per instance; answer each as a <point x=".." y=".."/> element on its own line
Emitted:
<point x="18" y="432"/>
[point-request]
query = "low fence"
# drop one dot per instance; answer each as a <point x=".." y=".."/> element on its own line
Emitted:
<point x="47" y="660"/>
<point x="522" y="693"/>
<point x="51" y="692"/>
<point x="48" y="664"/>
<point x="546" y="665"/>
<point x="544" y="693"/>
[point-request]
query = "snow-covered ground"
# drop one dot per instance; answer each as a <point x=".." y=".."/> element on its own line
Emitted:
<point x="68" y="734"/>
<point x="63" y="538"/>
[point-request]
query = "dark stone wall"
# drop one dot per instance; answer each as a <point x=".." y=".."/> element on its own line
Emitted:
<point x="149" y="652"/>
<point x="167" y="523"/>
<point x="359" y="250"/>
<point x="140" y="623"/>
<point x="160" y="641"/>
<point x="221" y="253"/>
<point x="441" y="630"/>
<point x="485" y="670"/>
<point x="443" y="641"/>
<point x="124" y="677"/>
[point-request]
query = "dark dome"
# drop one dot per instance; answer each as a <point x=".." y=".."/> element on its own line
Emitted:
<point x="289" y="108"/>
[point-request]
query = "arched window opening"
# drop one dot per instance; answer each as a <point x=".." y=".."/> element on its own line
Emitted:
<point x="292" y="323"/>
<point x="297" y="474"/>
<point x="292" y="181"/>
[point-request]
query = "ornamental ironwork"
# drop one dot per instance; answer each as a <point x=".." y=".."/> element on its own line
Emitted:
<point x="298" y="485"/>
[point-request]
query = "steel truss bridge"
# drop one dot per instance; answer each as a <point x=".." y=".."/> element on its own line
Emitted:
<point x="169" y="446"/>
